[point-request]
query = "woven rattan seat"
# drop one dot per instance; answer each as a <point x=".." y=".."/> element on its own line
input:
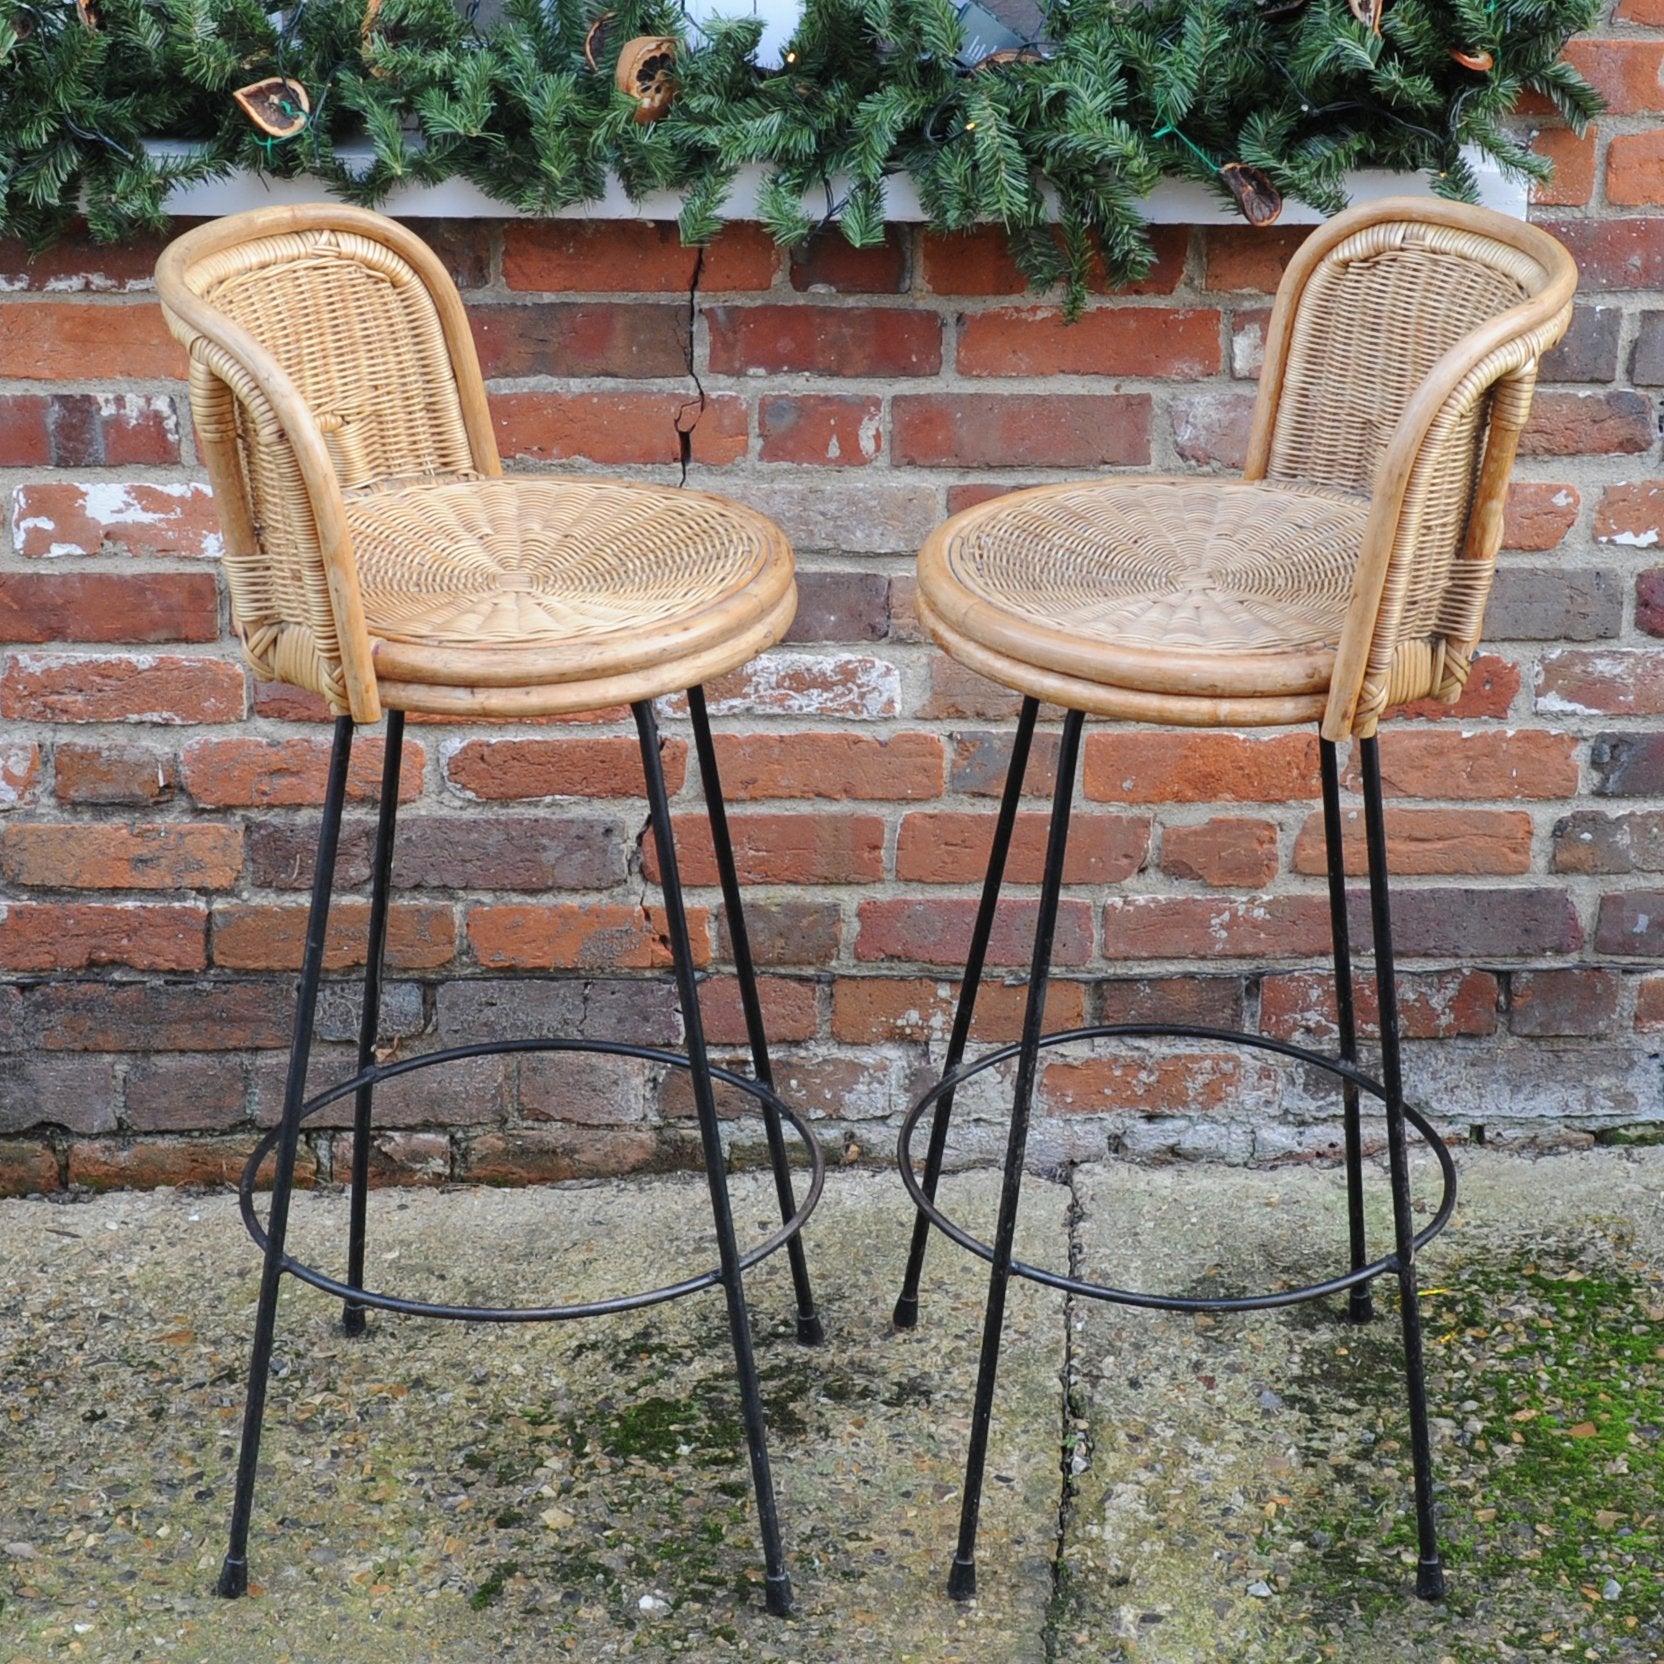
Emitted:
<point x="377" y="555"/>
<point x="1184" y="587"/>
<point x="514" y="583"/>
<point x="1344" y="574"/>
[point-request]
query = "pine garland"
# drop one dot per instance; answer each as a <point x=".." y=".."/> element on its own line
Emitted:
<point x="1057" y="145"/>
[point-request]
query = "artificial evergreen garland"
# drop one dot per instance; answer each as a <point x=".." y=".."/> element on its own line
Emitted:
<point x="1257" y="98"/>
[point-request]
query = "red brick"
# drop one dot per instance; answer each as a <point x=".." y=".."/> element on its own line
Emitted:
<point x="1574" y="167"/>
<point x="638" y="428"/>
<point x="78" y="262"/>
<point x="881" y="1010"/>
<point x="1631" y="514"/>
<point x="162" y="1016"/>
<point x="1538" y="517"/>
<point x="621" y="257"/>
<point x="827" y="430"/>
<point x="87" y="430"/>
<point x="951" y="847"/>
<point x="155" y="856"/>
<point x="842" y="606"/>
<point x="1614" y="682"/>
<point x="980" y="262"/>
<point x="1631" y="924"/>
<point x="26" y="1167"/>
<point x="937" y="931"/>
<point x="956" y="691"/>
<point x="794" y="931"/>
<point x="98" y="606"/>
<point x="122" y="687"/>
<point x="1588" y="424"/>
<point x="1615" y="253"/>
<point x="1432" y="1005"/>
<point x="1107" y="341"/>
<point x="553" y="1155"/>
<point x="1649" y="602"/>
<point x="185" y="1092"/>
<point x="1450" y="842"/>
<point x="1436" y="763"/>
<point x="1020" y="430"/>
<point x="73" y="340"/>
<point x="1248" y="327"/>
<point x="468" y="1092"/>
<point x="130" y="774"/>
<point x="1123" y="767"/>
<point x="1232" y="854"/>
<point x="582" y="338"/>
<point x="1640" y="11"/>
<point x="1649" y="997"/>
<point x="903" y="768"/>
<point x="1216" y="927"/>
<point x="397" y="1158"/>
<point x="19" y="773"/>
<point x="1185" y="1083"/>
<point x="1635" y="169"/>
<point x="966" y="496"/>
<point x="590" y="1089"/>
<point x="978" y="764"/>
<point x="1212" y="429"/>
<point x="779" y="849"/>
<point x="828" y="261"/>
<point x="1240" y="258"/>
<point x="262" y="936"/>
<point x="791" y="1010"/>
<point x="497" y="770"/>
<point x="1210" y="1001"/>
<point x="818" y="687"/>
<point x="839" y="1088"/>
<point x="779" y="339"/>
<point x="47" y="936"/>
<point x="566" y="936"/>
<point x="1626" y="73"/>
<point x="263" y="774"/>
<point x="112" y="1164"/>
<point x="1564" y="1002"/>
<point x="1491" y="688"/>
<point x="65" y="517"/>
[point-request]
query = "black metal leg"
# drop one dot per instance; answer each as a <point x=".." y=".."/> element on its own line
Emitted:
<point x="906" y="1314"/>
<point x="352" y="1315"/>
<point x="779" y="1587"/>
<point x="809" y="1330"/>
<point x="1429" y="1570"/>
<point x="234" y="1572"/>
<point x="1360" y="1300"/>
<point x="962" y="1577"/>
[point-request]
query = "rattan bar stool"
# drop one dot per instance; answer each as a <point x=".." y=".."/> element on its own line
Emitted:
<point x="1345" y="574"/>
<point x="377" y="556"/>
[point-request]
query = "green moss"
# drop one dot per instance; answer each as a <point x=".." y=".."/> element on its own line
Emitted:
<point x="491" y="1586"/>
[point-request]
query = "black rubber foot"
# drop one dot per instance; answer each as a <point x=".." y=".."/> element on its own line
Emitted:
<point x="1361" y="1307"/>
<point x="354" y="1320"/>
<point x="779" y="1595"/>
<point x="906" y="1314"/>
<point x="1430" y="1580"/>
<point x="962" y="1579"/>
<point x="233" y="1577"/>
<point x="809" y="1331"/>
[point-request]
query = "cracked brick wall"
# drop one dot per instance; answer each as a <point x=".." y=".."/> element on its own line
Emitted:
<point x="159" y="807"/>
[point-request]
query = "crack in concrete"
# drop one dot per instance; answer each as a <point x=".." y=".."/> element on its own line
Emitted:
<point x="683" y="423"/>
<point x="1074" y="1434"/>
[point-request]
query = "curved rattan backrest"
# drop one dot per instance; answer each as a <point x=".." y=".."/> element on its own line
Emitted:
<point x="329" y="355"/>
<point x="1400" y="365"/>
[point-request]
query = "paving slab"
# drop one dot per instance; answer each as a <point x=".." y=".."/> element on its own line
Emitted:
<point x="452" y="1492"/>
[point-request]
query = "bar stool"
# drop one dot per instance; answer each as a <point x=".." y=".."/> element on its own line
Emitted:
<point x="377" y="556"/>
<point x="1345" y="574"/>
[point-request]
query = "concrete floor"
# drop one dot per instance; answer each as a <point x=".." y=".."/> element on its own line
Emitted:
<point x="1161" y="1488"/>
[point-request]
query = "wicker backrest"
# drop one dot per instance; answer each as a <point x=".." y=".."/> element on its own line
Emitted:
<point x="329" y="355"/>
<point x="1400" y="365"/>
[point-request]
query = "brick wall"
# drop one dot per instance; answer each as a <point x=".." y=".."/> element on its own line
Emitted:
<point x="160" y="808"/>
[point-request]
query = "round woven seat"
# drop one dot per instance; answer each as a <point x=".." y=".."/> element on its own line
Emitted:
<point x="525" y="582"/>
<point x="1137" y="589"/>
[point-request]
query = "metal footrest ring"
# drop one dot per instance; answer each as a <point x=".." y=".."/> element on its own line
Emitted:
<point x="534" y="1314"/>
<point x="1172" y="1302"/>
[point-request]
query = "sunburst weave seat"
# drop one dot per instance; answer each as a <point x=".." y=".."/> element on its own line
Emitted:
<point x="1344" y="574"/>
<point x="377" y="555"/>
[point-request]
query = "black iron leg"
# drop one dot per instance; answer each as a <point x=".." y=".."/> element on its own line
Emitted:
<point x="1429" y="1570"/>
<point x="1360" y="1300"/>
<point x="352" y="1316"/>
<point x="809" y="1329"/>
<point x="962" y="1578"/>
<point x="676" y="926"/>
<point x="234" y="1572"/>
<point x="906" y="1314"/>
